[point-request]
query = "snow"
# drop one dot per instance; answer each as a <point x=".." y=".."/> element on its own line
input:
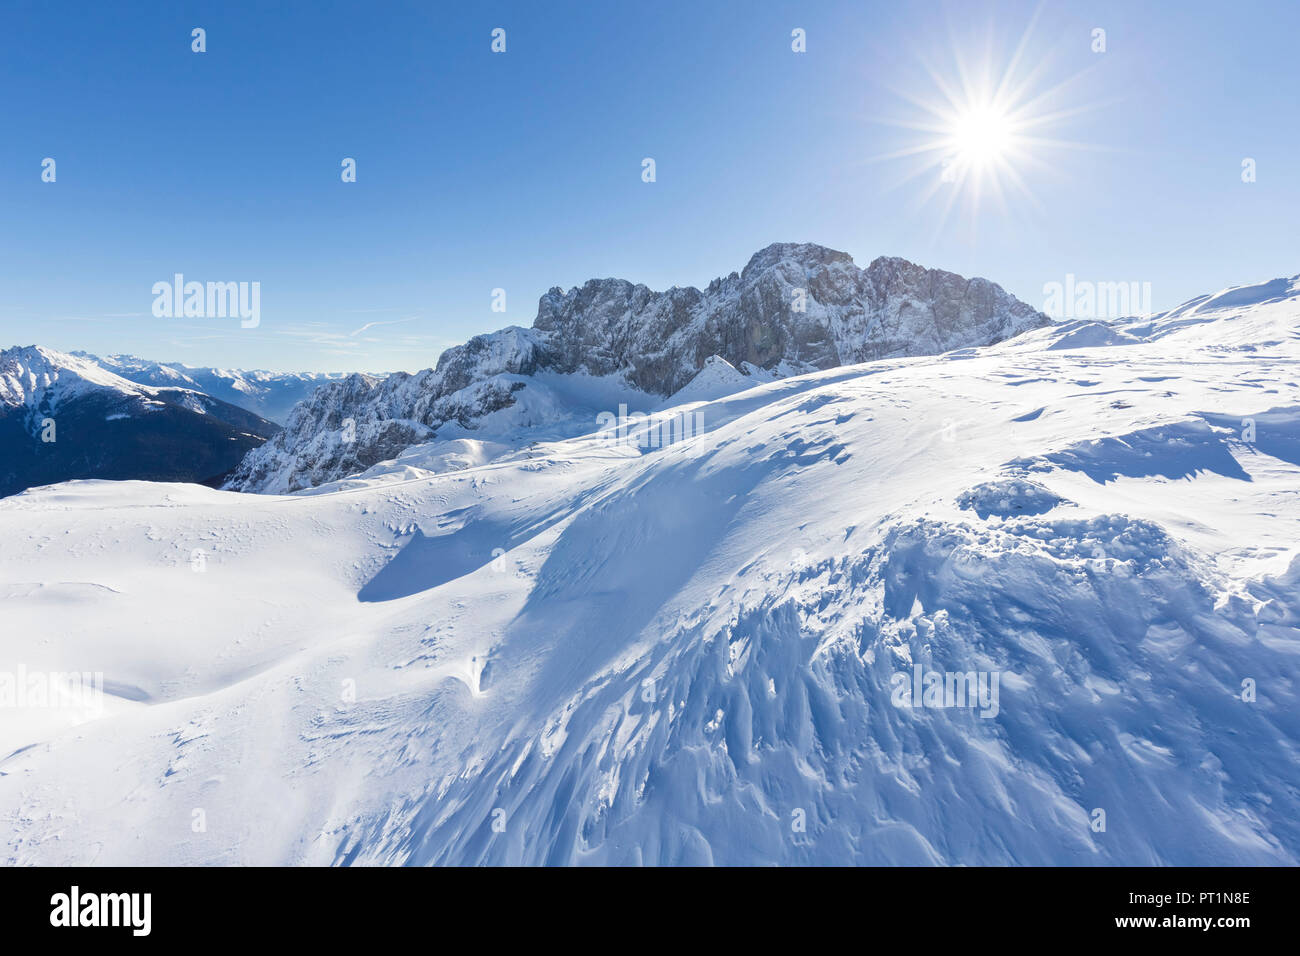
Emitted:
<point x="1088" y="335"/>
<point x="32" y="373"/>
<point x="1274" y="290"/>
<point x="717" y="379"/>
<point x="590" y="652"/>
<point x="795" y="308"/>
<point x="270" y="395"/>
<point x="1009" y="496"/>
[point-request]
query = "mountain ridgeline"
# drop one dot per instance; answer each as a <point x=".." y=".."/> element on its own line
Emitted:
<point x="269" y="395"/>
<point x="795" y="308"/>
<point x="63" y="417"/>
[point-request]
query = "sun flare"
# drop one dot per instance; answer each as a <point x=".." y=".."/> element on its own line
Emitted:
<point x="983" y="128"/>
<point x="981" y="135"/>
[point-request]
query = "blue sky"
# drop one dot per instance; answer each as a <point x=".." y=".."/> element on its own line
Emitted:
<point x="522" y="170"/>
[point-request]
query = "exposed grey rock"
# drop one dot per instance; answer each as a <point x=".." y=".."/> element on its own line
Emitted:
<point x="794" y="308"/>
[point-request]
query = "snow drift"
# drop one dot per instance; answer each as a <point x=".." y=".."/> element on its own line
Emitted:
<point x="591" y="651"/>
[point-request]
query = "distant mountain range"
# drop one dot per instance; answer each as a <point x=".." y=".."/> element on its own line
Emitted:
<point x="270" y="395"/>
<point x="64" y="417"/>
<point x="795" y="308"/>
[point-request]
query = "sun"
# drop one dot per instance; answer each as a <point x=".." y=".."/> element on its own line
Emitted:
<point x="982" y="143"/>
<point x="982" y="135"/>
<point x="983" y="129"/>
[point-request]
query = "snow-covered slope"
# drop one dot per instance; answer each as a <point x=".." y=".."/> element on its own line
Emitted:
<point x="795" y="308"/>
<point x="64" y="416"/>
<point x="32" y="375"/>
<point x="717" y="379"/>
<point x="269" y="394"/>
<point x="597" y="652"/>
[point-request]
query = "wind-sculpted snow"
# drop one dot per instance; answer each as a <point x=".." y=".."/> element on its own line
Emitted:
<point x="1008" y="497"/>
<point x="795" y="308"/>
<point x="1007" y="605"/>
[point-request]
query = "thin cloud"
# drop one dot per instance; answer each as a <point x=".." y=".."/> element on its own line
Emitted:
<point x="371" y="325"/>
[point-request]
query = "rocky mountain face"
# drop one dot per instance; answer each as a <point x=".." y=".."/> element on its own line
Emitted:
<point x="64" y="417"/>
<point x="795" y="308"/>
<point x="804" y="307"/>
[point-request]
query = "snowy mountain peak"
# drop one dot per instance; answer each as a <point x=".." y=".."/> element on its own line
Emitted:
<point x="270" y="395"/>
<point x="807" y="255"/>
<point x="65" y="417"/>
<point x="795" y="308"/>
<point x="32" y="372"/>
<point x="797" y="303"/>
